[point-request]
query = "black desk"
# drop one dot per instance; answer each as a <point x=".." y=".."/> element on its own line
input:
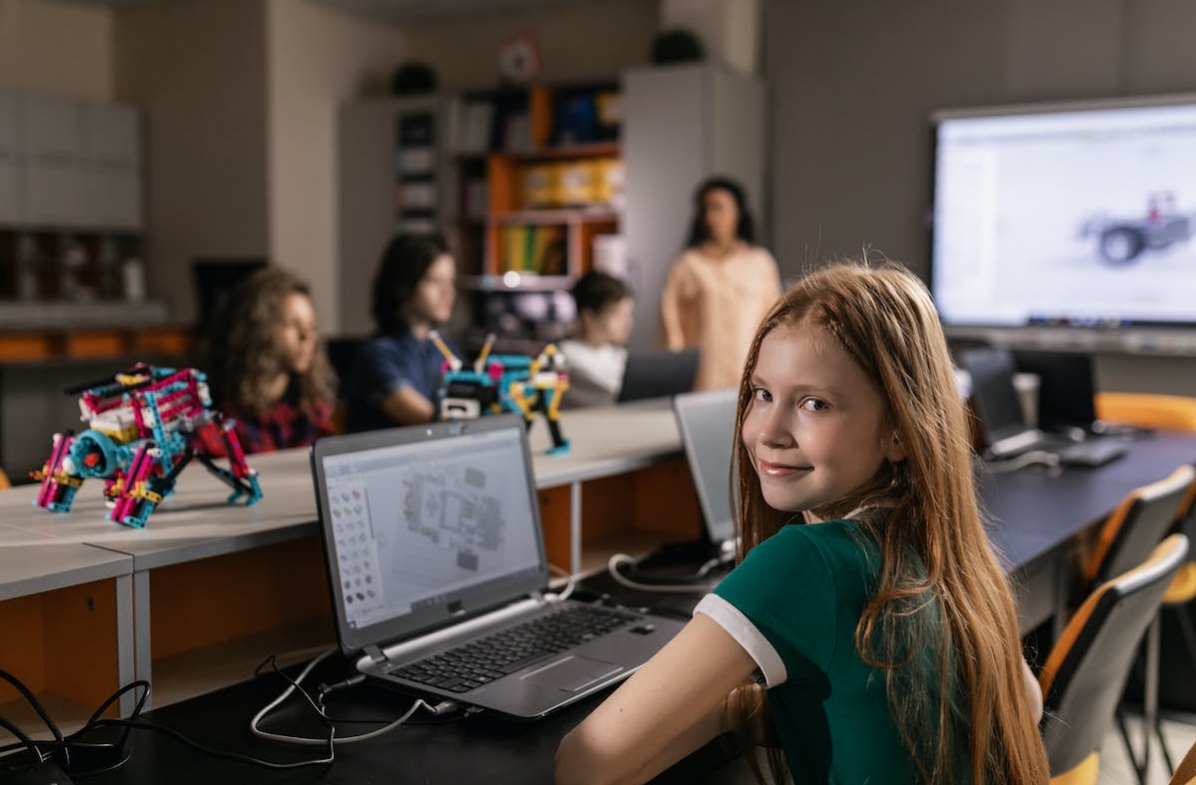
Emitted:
<point x="1036" y="517"/>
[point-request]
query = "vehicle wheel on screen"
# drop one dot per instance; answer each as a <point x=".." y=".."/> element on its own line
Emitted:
<point x="1121" y="245"/>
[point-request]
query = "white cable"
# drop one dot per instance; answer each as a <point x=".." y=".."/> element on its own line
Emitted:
<point x="310" y="741"/>
<point x="570" y="584"/>
<point x="621" y="559"/>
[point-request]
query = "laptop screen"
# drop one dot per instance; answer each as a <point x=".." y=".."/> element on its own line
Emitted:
<point x="658" y="374"/>
<point x="707" y="424"/>
<point x="428" y="525"/>
<point x="994" y="393"/>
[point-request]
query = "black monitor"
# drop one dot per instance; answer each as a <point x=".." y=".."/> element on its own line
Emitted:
<point x="658" y="374"/>
<point x="1066" y="392"/>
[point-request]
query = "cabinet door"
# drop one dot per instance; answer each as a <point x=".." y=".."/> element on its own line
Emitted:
<point x="53" y="194"/>
<point x="10" y="138"/>
<point x="664" y="157"/>
<point x="10" y="192"/>
<point x="52" y="128"/>
<point x="112" y="198"/>
<point x="111" y="136"/>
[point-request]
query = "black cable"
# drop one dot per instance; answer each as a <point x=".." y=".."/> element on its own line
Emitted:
<point x="22" y="739"/>
<point x="14" y="681"/>
<point x="233" y="756"/>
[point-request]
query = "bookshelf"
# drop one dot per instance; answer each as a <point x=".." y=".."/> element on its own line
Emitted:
<point x="522" y="181"/>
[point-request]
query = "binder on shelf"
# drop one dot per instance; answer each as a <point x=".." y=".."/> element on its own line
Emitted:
<point x="477" y="118"/>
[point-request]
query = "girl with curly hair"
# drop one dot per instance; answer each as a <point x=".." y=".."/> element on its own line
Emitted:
<point x="267" y="366"/>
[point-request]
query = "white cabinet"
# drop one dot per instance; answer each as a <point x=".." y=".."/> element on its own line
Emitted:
<point x="111" y="136"/>
<point x="10" y="191"/>
<point x="67" y="164"/>
<point x="111" y="198"/>
<point x="10" y="138"/>
<point x="53" y="195"/>
<point x="681" y="124"/>
<point x="52" y="128"/>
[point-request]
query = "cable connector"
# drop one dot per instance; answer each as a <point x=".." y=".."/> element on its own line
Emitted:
<point x="444" y="708"/>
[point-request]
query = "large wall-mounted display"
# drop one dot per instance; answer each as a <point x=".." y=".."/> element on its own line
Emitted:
<point x="1067" y="215"/>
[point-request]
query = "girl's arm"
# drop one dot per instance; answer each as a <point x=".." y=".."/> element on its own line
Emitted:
<point x="666" y="710"/>
<point x="407" y="406"/>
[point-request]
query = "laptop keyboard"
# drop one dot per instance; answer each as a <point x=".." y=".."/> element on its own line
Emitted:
<point x="481" y="661"/>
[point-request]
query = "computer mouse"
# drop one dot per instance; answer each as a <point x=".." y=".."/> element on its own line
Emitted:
<point x="47" y="773"/>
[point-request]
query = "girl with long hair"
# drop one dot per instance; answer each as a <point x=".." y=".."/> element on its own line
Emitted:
<point x="868" y="633"/>
<point x="267" y="367"/>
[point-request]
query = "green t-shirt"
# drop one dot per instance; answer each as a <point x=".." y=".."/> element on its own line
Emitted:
<point x="803" y="591"/>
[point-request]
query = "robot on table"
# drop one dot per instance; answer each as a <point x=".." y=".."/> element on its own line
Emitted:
<point x="505" y="382"/>
<point x="145" y="425"/>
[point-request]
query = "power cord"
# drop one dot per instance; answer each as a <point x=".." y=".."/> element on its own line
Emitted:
<point x="570" y="584"/>
<point x="440" y="709"/>
<point x="623" y="560"/>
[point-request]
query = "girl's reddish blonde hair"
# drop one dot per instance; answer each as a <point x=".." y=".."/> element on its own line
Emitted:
<point x="942" y="625"/>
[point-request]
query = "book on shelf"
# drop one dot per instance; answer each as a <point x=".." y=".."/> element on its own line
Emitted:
<point x="540" y="250"/>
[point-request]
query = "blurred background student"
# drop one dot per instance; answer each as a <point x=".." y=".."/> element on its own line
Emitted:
<point x="396" y="373"/>
<point x="597" y="354"/>
<point x="720" y="287"/>
<point x="266" y="365"/>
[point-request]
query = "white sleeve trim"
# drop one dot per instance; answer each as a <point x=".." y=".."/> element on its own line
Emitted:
<point x="739" y="627"/>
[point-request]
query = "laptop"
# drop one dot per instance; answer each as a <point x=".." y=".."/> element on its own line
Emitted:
<point x="1066" y="392"/>
<point x="1002" y="422"/>
<point x="658" y="374"/>
<point x="706" y="421"/>
<point x="438" y="572"/>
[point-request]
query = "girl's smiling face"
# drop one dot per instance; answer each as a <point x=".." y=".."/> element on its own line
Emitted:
<point x="817" y="427"/>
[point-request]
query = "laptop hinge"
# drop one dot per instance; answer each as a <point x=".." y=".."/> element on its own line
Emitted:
<point x="376" y="654"/>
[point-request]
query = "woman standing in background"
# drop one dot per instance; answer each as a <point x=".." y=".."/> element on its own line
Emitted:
<point x="267" y="367"/>
<point x="721" y="286"/>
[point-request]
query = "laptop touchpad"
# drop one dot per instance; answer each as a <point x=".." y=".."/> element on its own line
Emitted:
<point x="573" y="674"/>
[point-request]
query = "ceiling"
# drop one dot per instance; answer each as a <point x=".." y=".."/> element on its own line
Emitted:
<point x="396" y="11"/>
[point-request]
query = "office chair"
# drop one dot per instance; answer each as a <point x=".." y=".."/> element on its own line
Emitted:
<point x="1087" y="669"/>
<point x="1147" y="410"/>
<point x="1171" y="412"/>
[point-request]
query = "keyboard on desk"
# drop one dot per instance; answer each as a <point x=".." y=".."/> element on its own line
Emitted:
<point x="1091" y="452"/>
<point x="481" y="661"/>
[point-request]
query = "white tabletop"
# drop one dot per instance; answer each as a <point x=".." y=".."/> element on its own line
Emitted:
<point x="196" y="521"/>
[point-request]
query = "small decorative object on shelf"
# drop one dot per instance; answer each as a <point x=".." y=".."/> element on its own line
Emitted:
<point x="505" y="382"/>
<point x="144" y="426"/>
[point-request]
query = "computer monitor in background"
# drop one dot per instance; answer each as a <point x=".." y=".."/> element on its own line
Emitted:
<point x="213" y="279"/>
<point x="1066" y="392"/>
<point x="1066" y="215"/>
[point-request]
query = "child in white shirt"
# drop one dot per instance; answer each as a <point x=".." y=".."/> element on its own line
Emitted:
<point x="597" y="353"/>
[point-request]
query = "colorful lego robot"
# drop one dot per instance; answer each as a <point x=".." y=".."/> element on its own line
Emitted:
<point x="145" y="426"/>
<point x="505" y="382"/>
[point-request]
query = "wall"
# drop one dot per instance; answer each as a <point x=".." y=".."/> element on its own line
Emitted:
<point x="56" y="47"/>
<point x="579" y="41"/>
<point x="853" y="84"/>
<point x="198" y="70"/>
<point x="317" y="58"/>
